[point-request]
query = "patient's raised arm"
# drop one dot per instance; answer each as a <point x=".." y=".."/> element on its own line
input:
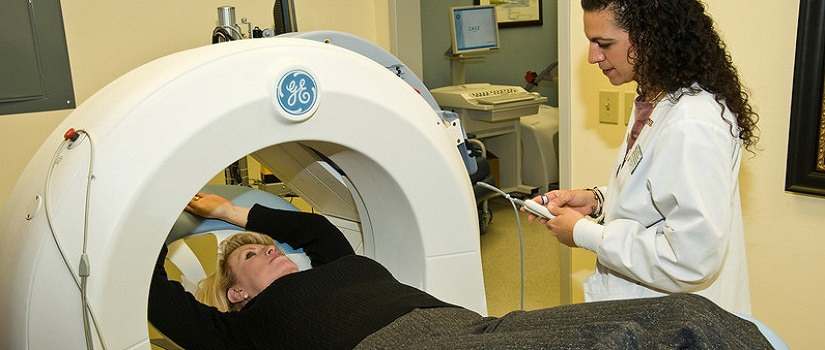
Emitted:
<point x="212" y="206"/>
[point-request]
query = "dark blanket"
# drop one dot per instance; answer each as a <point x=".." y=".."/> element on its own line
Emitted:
<point x="682" y="321"/>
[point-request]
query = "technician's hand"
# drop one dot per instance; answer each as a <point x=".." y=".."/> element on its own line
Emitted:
<point x="561" y="226"/>
<point x="213" y="206"/>
<point x="568" y="207"/>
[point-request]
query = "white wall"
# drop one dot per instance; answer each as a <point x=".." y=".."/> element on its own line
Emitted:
<point x="783" y="230"/>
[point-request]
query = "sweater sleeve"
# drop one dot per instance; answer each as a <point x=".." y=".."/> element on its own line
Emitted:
<point x="321" y="240"/>
<point x="186" y="321"/>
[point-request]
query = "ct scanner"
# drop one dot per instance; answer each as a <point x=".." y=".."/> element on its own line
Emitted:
<point x="152" y="138"/>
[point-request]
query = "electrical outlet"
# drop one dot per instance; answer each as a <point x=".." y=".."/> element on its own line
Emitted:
<point x="609" y="106"/>
<point x="629" y="100"/>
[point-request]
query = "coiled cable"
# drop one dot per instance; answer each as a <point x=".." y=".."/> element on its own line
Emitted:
<point x="81" y="275"/>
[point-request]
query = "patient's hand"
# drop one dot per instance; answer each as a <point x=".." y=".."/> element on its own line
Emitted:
<point x="213" y="206"/>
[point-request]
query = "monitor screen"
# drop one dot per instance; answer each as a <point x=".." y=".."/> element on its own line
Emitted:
<point x="473" y="28"/>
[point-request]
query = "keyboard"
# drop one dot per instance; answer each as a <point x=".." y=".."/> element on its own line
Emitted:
<point x="487" y="97"/>
<point x="506" y="98"/>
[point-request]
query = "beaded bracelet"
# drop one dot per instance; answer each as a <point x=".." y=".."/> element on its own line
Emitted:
<point x="597" y="195"/>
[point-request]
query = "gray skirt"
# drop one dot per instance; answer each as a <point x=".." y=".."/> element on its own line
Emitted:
<point x="681" y="321"/>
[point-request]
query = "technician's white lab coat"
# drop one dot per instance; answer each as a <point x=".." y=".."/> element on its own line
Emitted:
<point x="673" y="219"/>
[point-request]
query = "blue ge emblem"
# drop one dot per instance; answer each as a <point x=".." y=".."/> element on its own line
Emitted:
<point x="297" y="92"/>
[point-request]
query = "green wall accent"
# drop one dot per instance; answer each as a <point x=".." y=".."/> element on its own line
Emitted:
<point x="522" y="49"/>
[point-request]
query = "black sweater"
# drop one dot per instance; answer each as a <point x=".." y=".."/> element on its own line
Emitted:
<point x="336" y="304"/>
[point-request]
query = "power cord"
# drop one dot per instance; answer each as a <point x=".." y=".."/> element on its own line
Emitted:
<point x="520" y="233"/>
<point x="83" y="272"/>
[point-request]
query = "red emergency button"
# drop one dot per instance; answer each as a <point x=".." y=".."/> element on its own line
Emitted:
<point x="71" y="134"/>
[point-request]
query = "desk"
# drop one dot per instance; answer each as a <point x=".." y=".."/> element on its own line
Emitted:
<point x="497" y="126"/>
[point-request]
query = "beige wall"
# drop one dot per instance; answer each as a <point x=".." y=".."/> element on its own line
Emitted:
<point x="106" y="39"/>
<point x="783" y="230"/>
<point x="109" y="38"/>
<point x="366" y="18"/>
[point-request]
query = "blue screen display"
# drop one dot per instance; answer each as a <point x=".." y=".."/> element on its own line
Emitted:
<point x="475" y="28"/>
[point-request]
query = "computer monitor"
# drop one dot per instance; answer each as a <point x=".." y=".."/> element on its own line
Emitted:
<point x="473" y="28"/>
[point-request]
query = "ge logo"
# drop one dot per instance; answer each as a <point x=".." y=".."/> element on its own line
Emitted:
<point x="297" y="92"/>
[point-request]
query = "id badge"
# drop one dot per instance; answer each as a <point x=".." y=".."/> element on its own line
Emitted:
<point x="634" y="159"/>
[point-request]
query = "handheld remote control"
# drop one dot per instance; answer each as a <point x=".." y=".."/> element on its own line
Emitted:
<point x="534" y="208"/>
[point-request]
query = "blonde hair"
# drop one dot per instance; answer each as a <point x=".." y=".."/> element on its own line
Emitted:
<point x="212" y="289"/>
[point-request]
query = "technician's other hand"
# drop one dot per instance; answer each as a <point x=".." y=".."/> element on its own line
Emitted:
<point x="581" y="201"/>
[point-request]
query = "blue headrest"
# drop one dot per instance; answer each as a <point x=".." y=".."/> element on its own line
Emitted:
<point x="190" y="224"/>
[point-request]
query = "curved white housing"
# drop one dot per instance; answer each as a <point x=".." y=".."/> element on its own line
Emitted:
<point x="163" y="130"/>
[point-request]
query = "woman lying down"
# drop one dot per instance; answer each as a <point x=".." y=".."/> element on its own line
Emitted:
<point x="257" y="299"/>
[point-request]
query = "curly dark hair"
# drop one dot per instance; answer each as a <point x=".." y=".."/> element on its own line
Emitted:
<point x="673" y="46"/>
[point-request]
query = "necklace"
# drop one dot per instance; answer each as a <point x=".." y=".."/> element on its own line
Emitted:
<point x="657" y="98"/>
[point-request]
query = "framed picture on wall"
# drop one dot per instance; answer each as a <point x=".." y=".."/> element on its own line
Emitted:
<point x="805" y="172"/>
<point x="515" y="13"/>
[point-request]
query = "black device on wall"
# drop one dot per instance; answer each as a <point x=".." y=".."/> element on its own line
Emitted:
<point x="283" y="12"/>
<point x="35" y="74"/>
